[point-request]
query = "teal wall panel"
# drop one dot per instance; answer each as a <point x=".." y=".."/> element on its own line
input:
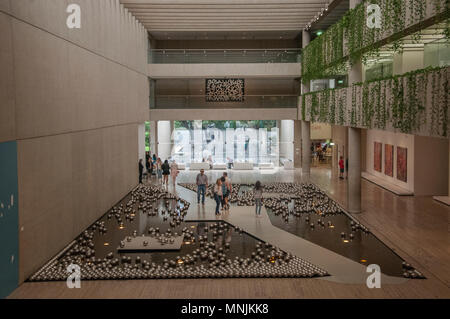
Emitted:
<point x="9" y="219"/>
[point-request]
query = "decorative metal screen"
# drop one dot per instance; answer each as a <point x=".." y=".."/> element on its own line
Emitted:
<point x="224" y="90"/>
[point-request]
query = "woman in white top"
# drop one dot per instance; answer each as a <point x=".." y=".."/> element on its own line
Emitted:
<point x="218" y="195"/>
<point x="174" y="172"/>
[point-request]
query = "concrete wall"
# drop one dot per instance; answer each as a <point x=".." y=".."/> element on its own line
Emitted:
<point x="320" y="131"/>
<point x="73" y="99"/>
<point x="395" y="139"/>
<point x="252" y="87"/>
<point x="211" y="70"/>
<point x="224" y="114"/>
<point x="227" y="44"/>
<point x="431" y="167"/>
<point x="412" y="60"/>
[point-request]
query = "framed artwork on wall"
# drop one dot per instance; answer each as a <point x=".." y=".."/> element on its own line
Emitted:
<point x="377" y="156"/>
<point x="402" y="165"/>
<point x="224" y="90"/>
<point x="389" y="160"/>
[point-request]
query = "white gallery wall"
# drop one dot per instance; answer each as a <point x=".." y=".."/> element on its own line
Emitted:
<point x="395" y="139"/>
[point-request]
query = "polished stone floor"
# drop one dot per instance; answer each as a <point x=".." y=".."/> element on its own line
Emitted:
<point x="416" y="227"/>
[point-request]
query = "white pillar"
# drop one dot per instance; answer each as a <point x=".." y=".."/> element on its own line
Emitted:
<point x="141" y="143"/>
<point x="164" y="137"/>
<point x="287" y="139"/>
<point x="297" y="144"/>
<point x="172" y="137"/>
<point x="153" y="137"/>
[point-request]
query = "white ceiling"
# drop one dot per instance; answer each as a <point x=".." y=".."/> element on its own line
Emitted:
<point x="258" y="18"/>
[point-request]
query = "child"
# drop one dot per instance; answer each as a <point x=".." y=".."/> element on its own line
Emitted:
<point x="341" y="168"/>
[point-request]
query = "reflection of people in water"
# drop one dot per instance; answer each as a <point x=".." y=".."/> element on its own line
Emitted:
<point x="228" y="235"/>
<point x="201" y="228"/>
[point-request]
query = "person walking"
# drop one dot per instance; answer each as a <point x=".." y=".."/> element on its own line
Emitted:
<point x="341" y="167"/>
<point x="174" y="172"/>
<point x="141" y="170"/>
<point x="224" y="191"/>
<point x="202" y="185"/>
<point x="218" y="195"/>
<point x="165" y="172"/>
<point x="257" y="195"/>
<point x="228" y="190"/>
<point x="158" y="165"/>
<point x="148" y="164"/>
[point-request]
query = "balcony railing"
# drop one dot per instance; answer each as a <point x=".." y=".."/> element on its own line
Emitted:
<point x="224" y="56"/>
<point x="199" y="102"/>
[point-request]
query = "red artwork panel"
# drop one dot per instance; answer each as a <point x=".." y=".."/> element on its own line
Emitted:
<point x="389" y="160"/>
<point x="402" y="167"/>
<point x="377" y="156"/>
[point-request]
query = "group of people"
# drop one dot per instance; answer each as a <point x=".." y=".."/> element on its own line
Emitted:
<point x="222" y="187"/>
<point x="222" y="190"/>
<point x="163" y="169"/>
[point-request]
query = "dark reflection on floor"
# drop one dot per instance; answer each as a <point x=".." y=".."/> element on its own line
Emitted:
<point x="343" y="235"/>
<point x="305" y="211"/>
<point x="210" y="249"/>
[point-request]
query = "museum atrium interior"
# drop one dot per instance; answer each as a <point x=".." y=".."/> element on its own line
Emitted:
<point x="338" y="108"/>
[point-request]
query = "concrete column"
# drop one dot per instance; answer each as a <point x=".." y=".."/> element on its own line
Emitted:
<point x="287" y="139"/>
<point x="354" y="145"/>
<point x="306" y="149"/>
<point x="306" y="37"/>
<point x="297" y="144"/>
<point x="356" y="71"/>
<point x="354" y="170"/>
<point x="152" y="97"/>
<point x="164" y="139"/>
<point x="172" y="136"/>
<point x="306" y="125"/>
<point x="153" y="137"/>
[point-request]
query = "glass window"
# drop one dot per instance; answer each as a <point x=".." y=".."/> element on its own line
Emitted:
<point x="226" y="141"/>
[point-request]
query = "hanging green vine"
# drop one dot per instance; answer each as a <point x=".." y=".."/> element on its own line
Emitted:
<point x="349" y="39"/>
<point x="332" y="112"/>
<point x="342" y="100"/>
<point x="397" y="102"/>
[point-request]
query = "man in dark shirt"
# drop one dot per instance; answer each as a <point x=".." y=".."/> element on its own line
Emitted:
<point x="141" y="170"/>
<point x="202" y="184"/>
